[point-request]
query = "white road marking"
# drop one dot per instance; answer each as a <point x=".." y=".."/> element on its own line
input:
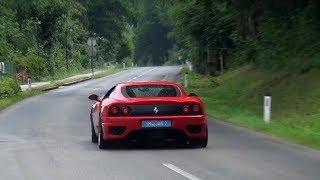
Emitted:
<point x="180" y="171"/>
<point x="142" y="74"/>
<point x="165" y="77"/>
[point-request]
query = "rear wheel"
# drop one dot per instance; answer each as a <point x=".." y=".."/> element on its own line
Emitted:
<point x="199" y="143"/>
<point x="204" y="142"/>
<point x="94" y="137"/>
<point x="102" y="144"/>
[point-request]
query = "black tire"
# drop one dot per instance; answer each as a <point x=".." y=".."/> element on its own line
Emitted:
<point x="199" y="143"/>
<point x="94" y="137"/>
<point x="204" y="142"/>
<point x="102" y="144"/>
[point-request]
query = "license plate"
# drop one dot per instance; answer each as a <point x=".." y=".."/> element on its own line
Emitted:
<point x="156" y="123"/>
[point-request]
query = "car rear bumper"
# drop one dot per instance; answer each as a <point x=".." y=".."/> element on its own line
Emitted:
<point x="190" y="127"/>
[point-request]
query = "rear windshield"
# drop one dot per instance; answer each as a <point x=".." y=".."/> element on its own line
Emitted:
<point x="151" y="91"/>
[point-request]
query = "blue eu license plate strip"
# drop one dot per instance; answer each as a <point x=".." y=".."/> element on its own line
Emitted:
<point x="156" y="124"/>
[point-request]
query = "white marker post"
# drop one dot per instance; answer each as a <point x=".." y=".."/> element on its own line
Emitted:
<point x="189" y="64"/>
<point x="186" y="80"/>
<point x="132" y="65"/>
<point x="267" y="108"/>
<point x="124" y="65"/>
<point x="2" y="70"/>
<point x="29" y="83"/>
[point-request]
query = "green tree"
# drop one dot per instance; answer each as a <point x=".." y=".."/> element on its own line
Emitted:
<point x="152" y="43"/>
<point x="271" y="34"/>
<point x="53" y="33"/>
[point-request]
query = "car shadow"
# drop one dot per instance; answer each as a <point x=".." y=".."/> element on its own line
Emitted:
<point x="128" y="146"/>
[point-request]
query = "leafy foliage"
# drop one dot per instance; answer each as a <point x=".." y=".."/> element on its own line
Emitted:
<point x="152" y="42"/>
<point x="8" y="87"/>
<point x="48" y="37"/>
<point x="33" y="64"/>
<point x="272" y="34"/>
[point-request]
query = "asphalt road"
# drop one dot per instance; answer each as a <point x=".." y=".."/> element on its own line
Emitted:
<point x="48" y="137"/>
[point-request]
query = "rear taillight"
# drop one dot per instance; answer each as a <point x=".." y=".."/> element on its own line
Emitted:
<point x="119" y="110"/>
<point x="114" y="110"/>
<point x="191" y="109"/>
<point x="195" y="108"/>
<point x="186" y="109"/>
<point x="125" y="110"/>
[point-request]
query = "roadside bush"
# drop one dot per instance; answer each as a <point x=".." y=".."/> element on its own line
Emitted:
<point x="8" y="87"/>
<point x="33" y="64"/>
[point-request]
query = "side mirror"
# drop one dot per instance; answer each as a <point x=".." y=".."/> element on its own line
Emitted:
<point x="193" y="95"/>
<point x="94" y="97"/>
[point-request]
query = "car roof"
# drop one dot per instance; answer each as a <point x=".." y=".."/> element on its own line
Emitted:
<point x="132" y="83"/>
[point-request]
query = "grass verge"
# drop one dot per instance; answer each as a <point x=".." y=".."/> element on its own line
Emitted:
<point x="237" y="97"/>
<point x="6" y="102"/>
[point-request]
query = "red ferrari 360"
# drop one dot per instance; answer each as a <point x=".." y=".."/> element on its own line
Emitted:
<point x="148" y="111"/>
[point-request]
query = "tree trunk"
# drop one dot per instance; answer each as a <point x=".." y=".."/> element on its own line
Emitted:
<point x="211" y="65"/>
<point x="221" y="62"/>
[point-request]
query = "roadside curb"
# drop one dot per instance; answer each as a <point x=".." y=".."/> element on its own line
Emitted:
<point x="67" y="84"/>
<point x="76" y="81"/>
<point x="50" y="88"/>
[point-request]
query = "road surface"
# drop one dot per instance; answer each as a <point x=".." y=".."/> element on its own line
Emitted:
<point x="48" y="137"/>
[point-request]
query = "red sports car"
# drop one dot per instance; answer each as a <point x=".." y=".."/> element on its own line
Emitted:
<point x="153" y="110"/>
